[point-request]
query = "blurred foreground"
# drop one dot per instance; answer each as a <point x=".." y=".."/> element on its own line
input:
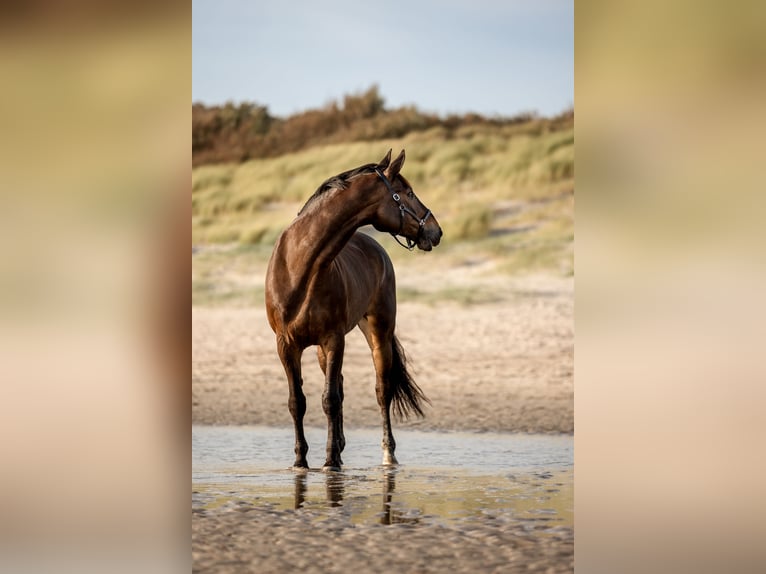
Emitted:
<point x="670" y="280"/>
<point x="94" y="164"/>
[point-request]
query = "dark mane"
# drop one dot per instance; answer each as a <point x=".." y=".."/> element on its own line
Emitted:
<point x="339" y="181"/>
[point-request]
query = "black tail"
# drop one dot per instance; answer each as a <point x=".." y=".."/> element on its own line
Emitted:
<point x="408" y="398"/>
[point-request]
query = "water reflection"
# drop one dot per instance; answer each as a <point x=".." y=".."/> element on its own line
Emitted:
<point x="301" y="487"/>
<point x="392" y="511"/>
<point x="393" y="514"/>
<point x="389" y="484"/>
<point x="335" y="488"/>
<point x="519" y="477"/>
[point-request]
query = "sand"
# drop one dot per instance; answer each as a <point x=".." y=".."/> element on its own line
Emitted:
<point x="503" y="365"/>
<point x="247" y="538"/>
<point x="499" y="366"/>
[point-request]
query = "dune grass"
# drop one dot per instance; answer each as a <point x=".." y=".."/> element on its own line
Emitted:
<point x="502" y="194"/>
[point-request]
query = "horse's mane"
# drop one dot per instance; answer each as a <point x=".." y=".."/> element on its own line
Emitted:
<point x="339" y="181"/>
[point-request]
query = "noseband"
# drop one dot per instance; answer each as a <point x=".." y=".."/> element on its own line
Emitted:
<point x="402" y="210"/>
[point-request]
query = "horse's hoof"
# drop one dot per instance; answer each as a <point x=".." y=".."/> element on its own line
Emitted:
<point x="329" y="467"/>
<point x="389" y="459"/>
<point x="300" y="465"/>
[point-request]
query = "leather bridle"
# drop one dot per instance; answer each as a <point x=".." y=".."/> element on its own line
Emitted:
<point x="402" y="210"/>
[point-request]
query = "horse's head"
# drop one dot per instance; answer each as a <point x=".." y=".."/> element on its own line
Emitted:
<point x="399" y="211"/>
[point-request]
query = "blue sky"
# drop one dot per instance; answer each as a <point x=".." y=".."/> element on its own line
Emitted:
<point x="486" y="56"/>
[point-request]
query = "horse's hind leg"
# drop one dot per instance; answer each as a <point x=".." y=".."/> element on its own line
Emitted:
<point x="323" y="364"/>
<point x="380" y="340"/>
<point x="332" y="398"/>
<point x="383" y="357"/>
<point x="291" y="361"/>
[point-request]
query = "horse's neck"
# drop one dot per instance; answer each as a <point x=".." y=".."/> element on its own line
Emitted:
<point x="318" y="236"/>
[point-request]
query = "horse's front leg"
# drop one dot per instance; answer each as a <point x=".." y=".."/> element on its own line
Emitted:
<point x="332" y="399"/>
<point x="290" y="355"/>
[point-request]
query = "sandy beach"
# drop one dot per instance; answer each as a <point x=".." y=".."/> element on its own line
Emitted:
<point x="504" y="365"/>
<point x="248" y="538"/>
<point x="497" y="366"/>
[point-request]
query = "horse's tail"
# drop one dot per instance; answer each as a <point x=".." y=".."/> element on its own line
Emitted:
<point x="408" y="398"/>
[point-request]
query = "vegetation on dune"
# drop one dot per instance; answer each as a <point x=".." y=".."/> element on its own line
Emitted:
<point x="234" y="133"/>
<point x="503" y="190"/>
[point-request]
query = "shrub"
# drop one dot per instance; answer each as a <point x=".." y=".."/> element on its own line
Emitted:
<point x="234" y="133"/>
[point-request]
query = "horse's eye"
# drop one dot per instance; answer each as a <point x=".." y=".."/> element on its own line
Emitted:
<point x="410" y="194"/>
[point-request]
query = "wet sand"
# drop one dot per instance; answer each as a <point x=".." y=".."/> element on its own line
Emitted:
<point x="504" y="365"/>
<point x="484" y="502"/>
<point x="245" y="537"/>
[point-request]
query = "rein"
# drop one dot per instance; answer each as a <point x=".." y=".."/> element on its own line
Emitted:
<point x="402" y="210"/>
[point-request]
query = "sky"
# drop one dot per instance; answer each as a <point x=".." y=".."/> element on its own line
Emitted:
<point x="494" y="57"/>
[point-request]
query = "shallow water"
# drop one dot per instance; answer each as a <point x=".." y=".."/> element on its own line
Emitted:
<point x="442" y="477"/>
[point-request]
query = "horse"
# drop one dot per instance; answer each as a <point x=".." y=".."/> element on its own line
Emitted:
<point x="325" y="278"/>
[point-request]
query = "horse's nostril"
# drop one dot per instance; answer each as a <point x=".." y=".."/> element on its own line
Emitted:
<point x="440" y="232"/>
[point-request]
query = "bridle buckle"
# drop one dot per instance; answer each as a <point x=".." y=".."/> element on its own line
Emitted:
<point x="402" y="210"/>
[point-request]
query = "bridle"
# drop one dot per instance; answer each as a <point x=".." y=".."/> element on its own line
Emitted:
<point x="402" y="210"/>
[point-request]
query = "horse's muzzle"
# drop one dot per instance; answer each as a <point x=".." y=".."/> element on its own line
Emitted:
<point x="429" y="238"/>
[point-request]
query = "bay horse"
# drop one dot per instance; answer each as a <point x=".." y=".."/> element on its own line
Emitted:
<point x="324" y="278"/>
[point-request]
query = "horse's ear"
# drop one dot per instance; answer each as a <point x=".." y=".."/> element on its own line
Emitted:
<point x="396" y="166"/>
<point x="383" y="164"/>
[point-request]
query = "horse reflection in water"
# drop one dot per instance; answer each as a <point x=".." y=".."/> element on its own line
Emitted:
<point x="301" y="486"/>
<point x="335" y="489"/>
<point x="389" y="515"/>
<point x="324" y="279"/>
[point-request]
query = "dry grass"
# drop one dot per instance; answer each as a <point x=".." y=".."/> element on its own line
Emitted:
<point x="503" y="195"/>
